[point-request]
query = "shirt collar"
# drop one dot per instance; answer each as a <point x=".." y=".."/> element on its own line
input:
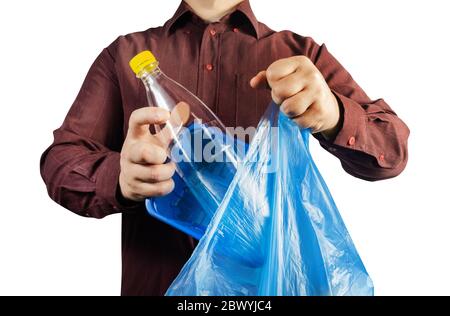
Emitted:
<point x="244" y="8"/>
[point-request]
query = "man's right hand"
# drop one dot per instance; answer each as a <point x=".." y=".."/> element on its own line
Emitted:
<point x="143" y="171"/>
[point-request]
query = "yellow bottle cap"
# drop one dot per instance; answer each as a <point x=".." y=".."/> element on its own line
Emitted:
<point x="142" y="60"/>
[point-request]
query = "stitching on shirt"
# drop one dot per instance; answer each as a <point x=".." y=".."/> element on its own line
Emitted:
<point x="218" y="81"/>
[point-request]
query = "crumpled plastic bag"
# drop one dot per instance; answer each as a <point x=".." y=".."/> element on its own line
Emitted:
<point x="278" y="230"/>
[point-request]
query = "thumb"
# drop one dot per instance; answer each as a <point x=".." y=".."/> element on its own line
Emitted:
<point x="260" y="81"/>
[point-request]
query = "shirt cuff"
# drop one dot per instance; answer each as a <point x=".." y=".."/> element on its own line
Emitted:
<point x="107" y="184"/>
<point x="353" y="125"/>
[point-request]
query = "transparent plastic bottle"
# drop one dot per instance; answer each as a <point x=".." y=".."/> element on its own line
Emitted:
<point x="197" y="141"/>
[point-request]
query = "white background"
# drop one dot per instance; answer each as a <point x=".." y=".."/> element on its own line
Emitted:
<point x="398" y="50"/>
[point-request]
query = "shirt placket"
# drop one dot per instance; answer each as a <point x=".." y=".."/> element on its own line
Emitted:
<point x="209" y="61"/>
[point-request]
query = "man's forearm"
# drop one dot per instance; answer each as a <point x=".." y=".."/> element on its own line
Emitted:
<point x="372" y="142"/>
<point x="82" y="175"/>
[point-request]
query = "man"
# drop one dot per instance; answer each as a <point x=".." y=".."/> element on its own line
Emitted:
<point x="98" y="165"/>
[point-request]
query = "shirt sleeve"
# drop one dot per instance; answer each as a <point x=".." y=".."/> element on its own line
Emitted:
<point x="372" y="143"/>
<point x="81" y="168"/>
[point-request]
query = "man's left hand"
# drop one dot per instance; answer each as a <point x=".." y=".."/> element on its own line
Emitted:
<point x="302" y="93"/>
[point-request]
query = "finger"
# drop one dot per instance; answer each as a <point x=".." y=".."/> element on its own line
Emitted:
<point x="141" y="118"/>
<point x="153" y="173"/>
<point x="310" y="120"/>
<point x="281" y="68"/>
<point x="260" y="81"/>
<point x="178" y="118"/>
<point x="288" y="87"/>
<point x="145" y="190"/>
<point x="147" y="153"/>
<point x="297" y="104"/>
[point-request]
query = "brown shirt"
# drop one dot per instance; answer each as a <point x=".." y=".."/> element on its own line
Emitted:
<point x="215" y="61"/>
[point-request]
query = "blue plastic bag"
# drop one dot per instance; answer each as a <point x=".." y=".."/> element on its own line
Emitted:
<point x="277" y="231"/>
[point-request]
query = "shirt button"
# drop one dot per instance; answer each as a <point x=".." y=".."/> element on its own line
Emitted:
<point x="352" y="140"/>
<point x="212" y="32"/>
<point x="209" y="67"/>
<point x="235" y="30"/>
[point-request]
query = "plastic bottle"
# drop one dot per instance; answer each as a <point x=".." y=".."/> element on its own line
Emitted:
<point x="197" y="141"/>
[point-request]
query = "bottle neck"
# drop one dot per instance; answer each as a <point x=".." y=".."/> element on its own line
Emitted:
<point x="150" y="73"/>
<point x="158" y="87"/>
